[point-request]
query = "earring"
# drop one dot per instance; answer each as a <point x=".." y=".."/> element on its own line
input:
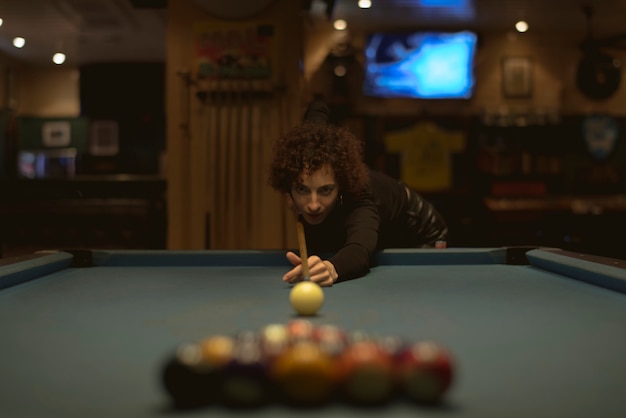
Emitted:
<point x="340" y="200"/>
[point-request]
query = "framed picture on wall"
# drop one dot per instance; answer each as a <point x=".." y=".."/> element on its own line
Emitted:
<point x="517" y="77"/>
<point x="104" y="139"/>
<point x="56" y="134"/>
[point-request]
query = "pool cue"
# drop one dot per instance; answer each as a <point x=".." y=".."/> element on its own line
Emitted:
<point x="303" y="254"/>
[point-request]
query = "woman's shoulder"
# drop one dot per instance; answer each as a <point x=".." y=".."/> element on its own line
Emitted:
<point x="382" y="181"/>
<point x="389" y="194"/>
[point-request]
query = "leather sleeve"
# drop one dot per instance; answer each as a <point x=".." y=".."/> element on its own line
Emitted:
<point x="426" y="222"/>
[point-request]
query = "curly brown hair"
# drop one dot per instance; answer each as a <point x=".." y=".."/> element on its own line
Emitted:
<point x="307" y="147"/>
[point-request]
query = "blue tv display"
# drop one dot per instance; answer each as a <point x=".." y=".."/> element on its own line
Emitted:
<point x="420" y="65"/>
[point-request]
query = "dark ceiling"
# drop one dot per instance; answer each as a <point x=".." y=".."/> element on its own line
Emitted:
<point x="134" y="30"/>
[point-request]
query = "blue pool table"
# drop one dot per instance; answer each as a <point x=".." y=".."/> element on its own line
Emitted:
<point x="533" y="332"/>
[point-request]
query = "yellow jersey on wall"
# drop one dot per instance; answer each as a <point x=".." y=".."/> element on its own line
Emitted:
<point x="425" y="158"/>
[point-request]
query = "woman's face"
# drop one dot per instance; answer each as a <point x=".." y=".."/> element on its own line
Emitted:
<point x="317" y="195"/>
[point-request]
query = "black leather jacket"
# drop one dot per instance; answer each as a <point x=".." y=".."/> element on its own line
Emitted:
<point x="386" y="215"/>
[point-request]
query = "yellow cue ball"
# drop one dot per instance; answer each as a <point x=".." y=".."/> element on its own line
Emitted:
<point x="306" y="298"/>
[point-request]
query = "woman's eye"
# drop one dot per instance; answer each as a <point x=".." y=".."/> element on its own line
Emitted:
<point x="325" y="191"/>
<point x="301" y="189"/>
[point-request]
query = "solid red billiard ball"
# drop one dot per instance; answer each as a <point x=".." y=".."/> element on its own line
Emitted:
<point x="425" y="371"/>
<point x="365" y="373"/>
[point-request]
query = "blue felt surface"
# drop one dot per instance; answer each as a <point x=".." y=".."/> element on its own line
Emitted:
<point x="89" y="342"/>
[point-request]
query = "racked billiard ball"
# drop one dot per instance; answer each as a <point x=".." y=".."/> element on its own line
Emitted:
<point x="425" y="371"/>
<point x="217" y="350"/>
<point x="299" y="329"/>
<point x="274" y="339"/>
<point x="244" y="382"/>
<point x="189" y="379"/>
<point x="365" y="373"/>
<point x="330" y="338"/>
<point x="304" y="374"/>
<point x="306" y="298"/>
<point x="393" y="345"/>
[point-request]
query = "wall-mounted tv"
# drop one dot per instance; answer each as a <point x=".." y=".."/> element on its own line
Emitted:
<point x="420" y="65"/>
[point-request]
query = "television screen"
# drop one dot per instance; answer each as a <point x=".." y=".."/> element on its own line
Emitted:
<point x="421" y="65"/>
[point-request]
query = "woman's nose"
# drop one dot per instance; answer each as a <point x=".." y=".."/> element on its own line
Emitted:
<point x="314" y="203"/>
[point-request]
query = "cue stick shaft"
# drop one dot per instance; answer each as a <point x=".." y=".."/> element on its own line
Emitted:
<point x="303" y="254"/>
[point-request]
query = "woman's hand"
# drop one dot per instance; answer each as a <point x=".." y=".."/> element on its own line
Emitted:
<point x="321" y="271"/>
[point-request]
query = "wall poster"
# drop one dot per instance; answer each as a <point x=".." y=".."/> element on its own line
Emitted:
<point x="235" y="51"/>
<point x="517" y="77"/>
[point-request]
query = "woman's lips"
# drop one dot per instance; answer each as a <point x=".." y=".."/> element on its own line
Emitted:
<point x="314" y="217"/>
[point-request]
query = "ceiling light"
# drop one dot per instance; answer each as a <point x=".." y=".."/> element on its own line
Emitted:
<point x="340" y="70"/>
<point x="1" y="21"/>
<point x="58" y="58"/>
<point x="340" y="24"/>
<point x="365" y="4"/>
<point x="521" y="26"/>
<point x="19" y="42"/>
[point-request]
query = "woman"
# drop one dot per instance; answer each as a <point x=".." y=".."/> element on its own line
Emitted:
<point x="348" y="211"/>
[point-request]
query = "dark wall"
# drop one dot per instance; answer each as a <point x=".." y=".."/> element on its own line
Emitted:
<point x="133" y="94"/>
<point x="113" y="89"/>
